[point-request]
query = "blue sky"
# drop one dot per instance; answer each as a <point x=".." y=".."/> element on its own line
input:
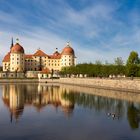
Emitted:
<point x="97" y="29"/>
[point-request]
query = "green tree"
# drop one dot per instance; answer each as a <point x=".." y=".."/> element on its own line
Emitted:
<point x="118" y="61"/>
<point x="133" y="58"/>
<point x="98" y="62"/>
<point x="132" y="116"/>
<point x="132" y="64"/>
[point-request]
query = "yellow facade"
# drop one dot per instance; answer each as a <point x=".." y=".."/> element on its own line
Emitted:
<point x="17" y="61"/>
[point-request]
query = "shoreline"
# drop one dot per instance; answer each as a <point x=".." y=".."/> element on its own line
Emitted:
<point x="126" y="85"/>
<point x="19" y="80"/>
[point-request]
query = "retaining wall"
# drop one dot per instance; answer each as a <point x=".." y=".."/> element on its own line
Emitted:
<point x="118" y="84"/>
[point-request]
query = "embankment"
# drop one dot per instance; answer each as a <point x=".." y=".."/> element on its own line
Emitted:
<point x="10" y="80"/>
<point x="115" y="84"/>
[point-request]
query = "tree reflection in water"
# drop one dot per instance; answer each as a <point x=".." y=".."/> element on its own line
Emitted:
<point x="133" y="115"/>
<point x="17" y="96"/>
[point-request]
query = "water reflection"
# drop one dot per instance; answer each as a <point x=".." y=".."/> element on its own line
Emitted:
<point x="17" y="96"/>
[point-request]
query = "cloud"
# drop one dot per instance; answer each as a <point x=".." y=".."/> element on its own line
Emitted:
<point x="96" y="30"/>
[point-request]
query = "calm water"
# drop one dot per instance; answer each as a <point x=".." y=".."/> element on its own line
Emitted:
<point x="42" y="112"/>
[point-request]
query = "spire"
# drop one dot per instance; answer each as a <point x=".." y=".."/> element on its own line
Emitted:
<point x="12" y="44"/>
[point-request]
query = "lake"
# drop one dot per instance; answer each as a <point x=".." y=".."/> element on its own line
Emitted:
<point x="63" y="112"/>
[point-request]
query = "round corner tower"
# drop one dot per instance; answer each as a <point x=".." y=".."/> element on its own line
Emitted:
<point x="68" y="56"/>
<point x="17" y="58"/>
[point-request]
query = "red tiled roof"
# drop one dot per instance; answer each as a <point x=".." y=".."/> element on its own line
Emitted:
<point x="56" y="55"/>
<point x="28" y="56"/>
<point x="17" y="48"/>
<point x="7" y="57"/>
<point x="45" y="71"/>
<point x="6" y="101"/>
<point x="39" y="53"/>
<point x="68" y="50"/>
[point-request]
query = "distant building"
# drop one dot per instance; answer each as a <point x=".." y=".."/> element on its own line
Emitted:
<point x="17" y="61"/>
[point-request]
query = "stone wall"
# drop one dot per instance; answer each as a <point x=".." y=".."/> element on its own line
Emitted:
<point x="118" y="84"/>
<point x="22" y="80"/>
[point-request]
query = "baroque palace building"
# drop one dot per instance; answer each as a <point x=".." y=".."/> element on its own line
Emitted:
<point x="16" y="60"/>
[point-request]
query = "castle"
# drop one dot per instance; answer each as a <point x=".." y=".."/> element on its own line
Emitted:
<point x="16" y="61"/>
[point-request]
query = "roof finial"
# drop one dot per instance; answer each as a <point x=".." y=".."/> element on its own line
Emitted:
<point x="68" y="43"/>
<point x="17" y="40"/>
<point x="12" y="44"/>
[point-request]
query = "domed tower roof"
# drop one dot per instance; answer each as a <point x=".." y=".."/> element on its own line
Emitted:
<point x="7" y="57"/>
<point x="68" y="50"/>
<point x="17" y="48"/>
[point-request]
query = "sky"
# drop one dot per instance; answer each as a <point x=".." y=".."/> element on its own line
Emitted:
<point x="96" y="29"/>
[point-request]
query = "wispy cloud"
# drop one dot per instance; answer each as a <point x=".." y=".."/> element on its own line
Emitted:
<point x="96" y="29"/>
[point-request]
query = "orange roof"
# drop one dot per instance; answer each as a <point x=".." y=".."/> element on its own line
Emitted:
<point x="7" y="57"/>
<point x="56" y="55"/>
<point x="68" y="51"/>
<point x="39" y="53"/>
<point x="6" y="101"/>
<point x="45" y="71"/>
<point x="28" y="56"/>
<point x="17" y="48"/>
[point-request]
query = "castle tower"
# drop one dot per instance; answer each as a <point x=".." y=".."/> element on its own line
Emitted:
<point x="67" y="56"/>
<point x="17" y="58"/>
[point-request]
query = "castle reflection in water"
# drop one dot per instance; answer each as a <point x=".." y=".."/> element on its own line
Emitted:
<point x="15" y="97"/>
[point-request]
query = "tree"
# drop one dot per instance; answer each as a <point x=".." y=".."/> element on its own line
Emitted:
<point x="98" y="62"/>
<point x="132" y="115"/>
<point x="133" y="58"/>
<point x="132" y="64"/>
<point x="118" y="61"/>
